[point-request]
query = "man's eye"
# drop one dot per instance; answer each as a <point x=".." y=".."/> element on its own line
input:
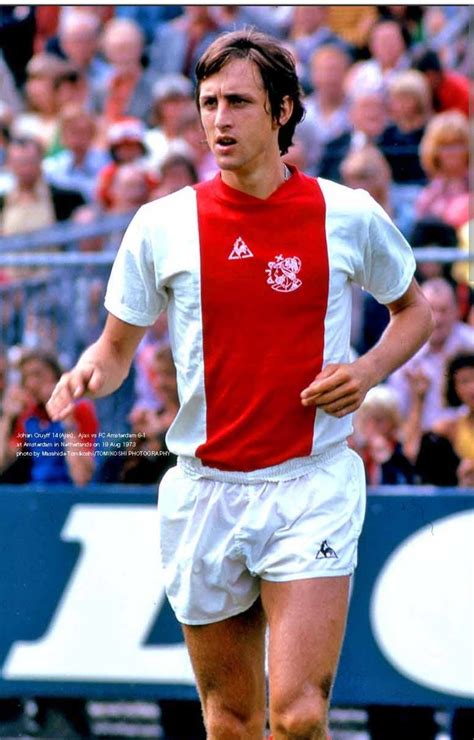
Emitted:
<point x="209" y="103"/>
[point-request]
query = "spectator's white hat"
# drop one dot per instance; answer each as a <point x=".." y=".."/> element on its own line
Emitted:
<point x="127" y="129"/>
<point x="172" y="86"/>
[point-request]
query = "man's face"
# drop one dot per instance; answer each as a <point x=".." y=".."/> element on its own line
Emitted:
<point x="123" y="51"/>
<point x="445" y="314"/>
<point x="25" y="163"/>
<point x="236" y="116"/>
<point x="77" y="135"/>
<point x="368" y="115"/>
<point x="387" y="44"/>
<point x="80" y="44"/>
<point x="328" y="71"/>
<point x="38" y="379"/>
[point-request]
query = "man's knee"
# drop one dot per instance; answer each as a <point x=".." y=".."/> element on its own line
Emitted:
<point x="304" y="717"/>
<point x="224" y="722"/>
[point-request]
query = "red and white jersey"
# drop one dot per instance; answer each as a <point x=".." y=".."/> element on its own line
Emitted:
<point x="259" y="301"/>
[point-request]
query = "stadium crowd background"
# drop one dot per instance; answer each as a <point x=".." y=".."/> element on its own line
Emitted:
<point x="97" y="116"/>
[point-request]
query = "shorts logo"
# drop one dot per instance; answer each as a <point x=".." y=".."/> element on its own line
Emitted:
<point x="282" y="272"/>
<point x="325" y="551"/>
<point x="240" y="250"/>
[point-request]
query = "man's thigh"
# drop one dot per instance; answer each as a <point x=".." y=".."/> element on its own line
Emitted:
<point x="306" y="627"/>
<point x="228" y="659"/>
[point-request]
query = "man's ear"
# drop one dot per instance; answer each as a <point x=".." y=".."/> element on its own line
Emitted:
<point x="286" y="109"/>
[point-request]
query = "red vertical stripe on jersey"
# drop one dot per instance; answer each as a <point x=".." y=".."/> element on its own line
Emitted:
<point x="261" y="345"/>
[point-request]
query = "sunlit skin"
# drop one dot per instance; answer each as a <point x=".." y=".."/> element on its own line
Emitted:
<point x="240" y="130"/>
<point x="464" y="386"/>
<point x="445" y="314"/>
<point x="453" y="159"/>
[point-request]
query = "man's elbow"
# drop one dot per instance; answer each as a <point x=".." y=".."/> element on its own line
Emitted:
<point x="426" y="320"/>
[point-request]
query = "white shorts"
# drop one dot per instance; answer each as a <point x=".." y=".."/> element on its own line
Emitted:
<point x="218" y="538"/>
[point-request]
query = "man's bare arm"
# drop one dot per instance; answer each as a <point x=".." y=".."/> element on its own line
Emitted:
<point x="100" y="370"/>
<point x="339" y="389"/>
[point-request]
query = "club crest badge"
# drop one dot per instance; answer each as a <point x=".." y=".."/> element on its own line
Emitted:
<point x="282" y="274"/>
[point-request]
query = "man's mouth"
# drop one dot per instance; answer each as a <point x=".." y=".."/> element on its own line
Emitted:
<point x="225" y="141"/>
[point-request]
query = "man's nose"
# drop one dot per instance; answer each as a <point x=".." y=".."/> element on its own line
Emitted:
<point x="223" y="118"/>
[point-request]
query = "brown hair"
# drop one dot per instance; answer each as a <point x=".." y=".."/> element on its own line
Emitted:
<point x="48" y="359"/>
<point x="458" y="362"/>
<point x="277" y="68"/>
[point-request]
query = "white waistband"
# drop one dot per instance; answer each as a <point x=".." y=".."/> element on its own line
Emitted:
<point x="287" y="470"/>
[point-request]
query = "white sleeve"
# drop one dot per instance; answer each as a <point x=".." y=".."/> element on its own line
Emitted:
<point x="386" y="265"/>
<point x="134" y="291"/>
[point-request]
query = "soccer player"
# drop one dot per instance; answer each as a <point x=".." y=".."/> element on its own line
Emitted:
<point x="260" y="518"/>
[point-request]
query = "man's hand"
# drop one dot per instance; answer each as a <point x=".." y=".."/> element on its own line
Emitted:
<point x="418" y="382"/>
<point x="338" y="389"/>
<point x="84" y="378"/>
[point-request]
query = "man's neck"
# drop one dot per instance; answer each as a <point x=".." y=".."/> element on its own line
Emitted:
<point x="255" y="183"/>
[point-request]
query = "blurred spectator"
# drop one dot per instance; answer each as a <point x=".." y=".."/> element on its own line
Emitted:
<point x="368" y="119"/>
<point x="367" y="168"/>
<point x="327" y="108"/>
<point x="445" y="158"/>
<point x="450" y="90"/>
<point x="17" y="30"/>
<point x="297" y="154"/>
<point x="148" y="458"/>
<point x="78" y="42"/>
<point x="32" y="203"/>
<point x="449" y="336"/>
<point x="148" y="17"/>
<point x="87" y="300"/>
<point x="172" y="104"/>
<point x="71" y="88"/>
<point x="179" y="43"/>
<point x="52" y="448"/>
<point x="408" y="17"/>
<point x="40" y="120"/>
<point x="272" y="19"/>
<point x="388" y="48"/>
<point x="308" y="31"/>
<point x="126" y="140"/>
<point x="127" y="91"/>
<point x="462" y="272"/>
<point x="145" y="386"/>
<point x="129" y="189"/>
<point x="163" y="380"/>
<point x="190" y="131"/>
<point x="79" y="163"/>
<point x="444" y="455"/>
<point x="176" y="172"/>
<point x="377" y="433"/>
<point x="409" y="110"/>
<point x="432" y="232"/>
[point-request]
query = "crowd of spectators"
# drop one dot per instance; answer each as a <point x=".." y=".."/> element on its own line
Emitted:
<point x="97" y="116"/>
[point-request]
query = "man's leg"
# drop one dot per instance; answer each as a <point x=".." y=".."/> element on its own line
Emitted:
<point x="306" y="620"/>
<point x="228" y="660"/>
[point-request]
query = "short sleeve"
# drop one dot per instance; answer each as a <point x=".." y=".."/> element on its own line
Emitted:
<point x="134" y="291"/>
<point x="387" y="265"/>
